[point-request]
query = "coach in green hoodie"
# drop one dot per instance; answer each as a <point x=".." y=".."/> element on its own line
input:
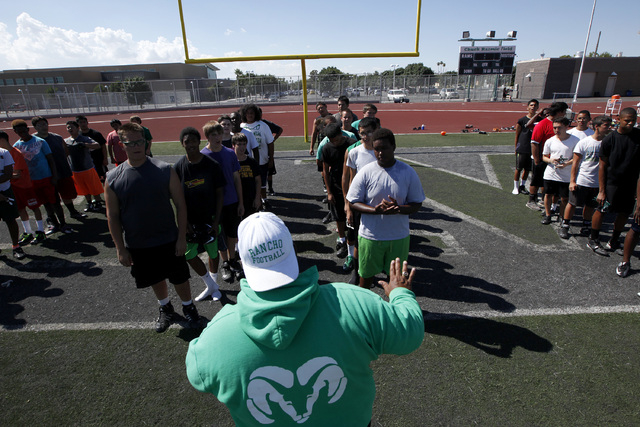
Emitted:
<point x="293" y="352"/>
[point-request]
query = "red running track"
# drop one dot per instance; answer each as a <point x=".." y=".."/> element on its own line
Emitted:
<point x="450" y="117"/>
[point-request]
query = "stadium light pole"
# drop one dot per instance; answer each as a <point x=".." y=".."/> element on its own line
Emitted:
<point x="584" y="54"/>
<point x="394" y="66"/>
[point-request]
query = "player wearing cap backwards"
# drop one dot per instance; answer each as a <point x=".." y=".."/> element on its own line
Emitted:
<point x="301" y="352"/>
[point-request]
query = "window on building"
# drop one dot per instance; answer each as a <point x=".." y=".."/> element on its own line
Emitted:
<point x="39" y="80"/>
<point x="19" y="81"/>
<point x="29" y="81"/>
<point x="59" y="79"/>
<point x="49" y="79"/>
<point x="9" y="82"/>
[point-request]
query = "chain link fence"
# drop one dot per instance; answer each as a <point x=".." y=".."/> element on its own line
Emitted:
<point x="107" y="97"/>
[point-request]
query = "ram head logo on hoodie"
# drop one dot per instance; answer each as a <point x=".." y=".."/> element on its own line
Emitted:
<point x="270" y="383"/>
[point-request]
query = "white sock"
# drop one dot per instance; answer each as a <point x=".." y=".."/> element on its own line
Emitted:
<point x="185" y="303"/>
<point x="26" y="225"/>
<point x="516" y="185"/>
<point x="164" y="301"/>
<point x="342" y="239"/>
<point x="209" y="282"/>
<point x="40" y="225"/>
<point x="214" y="276"/>
<point x="351" y="249"/>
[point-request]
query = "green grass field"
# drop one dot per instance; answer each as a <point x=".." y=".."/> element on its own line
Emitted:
<point x="562" y="370"/>
<point x="290" y="143"/>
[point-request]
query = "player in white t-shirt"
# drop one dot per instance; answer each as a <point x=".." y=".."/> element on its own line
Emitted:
<point x="582" y="130"/>
<point x="558" y="154"/>
<point x="583" y="186"/>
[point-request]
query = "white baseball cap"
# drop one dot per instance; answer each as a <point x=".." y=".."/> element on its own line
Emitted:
<point x="266" y="249"/>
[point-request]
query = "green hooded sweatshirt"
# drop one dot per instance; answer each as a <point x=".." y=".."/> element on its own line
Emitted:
<point x="300" y="354"/>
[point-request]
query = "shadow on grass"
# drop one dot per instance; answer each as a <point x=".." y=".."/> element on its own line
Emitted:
<point x="438" y="283"/>
<point x="494" y="338"/>
<point x="15" y="289"/>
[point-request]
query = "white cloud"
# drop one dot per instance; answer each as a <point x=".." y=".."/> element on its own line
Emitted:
<point x="228" y="32"/>
<point x="38" y="45"/>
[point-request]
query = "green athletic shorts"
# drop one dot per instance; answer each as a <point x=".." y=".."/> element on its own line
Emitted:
<point x="375" y="256"/>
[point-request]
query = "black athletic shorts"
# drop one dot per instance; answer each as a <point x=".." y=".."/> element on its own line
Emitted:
<point x="230" y="220"/>
<point x="523" y="161"/>
<point x="537" y="179"/>
<point x="584" y="196"/>
<point x="337" y="208"/>
<point x="8" y="208"/>
<point x="622" y="198"/>
<point x="153" y="265"/>
<point x="556" y="188"/>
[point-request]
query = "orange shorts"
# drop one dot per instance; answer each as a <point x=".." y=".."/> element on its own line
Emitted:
<point x="88" y="183"/>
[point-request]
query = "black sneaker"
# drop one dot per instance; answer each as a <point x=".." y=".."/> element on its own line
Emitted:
<point x="52" y="229"/>
<point x="236" y="269"/>
<point x="612" y="245"/>
<point x="341" y="249"/>
<point x="165" y="318"/>
<point x="77" y="215"/>
<point x="623" y="269"/>
<point x="585" y="231"/>
<point x="25" y="238"/>
<point x="270" y="192"/>
<point x="546" y="220"/>
<point x="39" y="237"/>
<point x="227" y="276"/>
<point x="563" y="232"/>
<point x="191" y="314"/>
<point x="18" y="253"/>
<point x="89" y="208"/>
<point x="596" y="247"/>
<point x="523" y="190"/>
<point x="327" y="219"/>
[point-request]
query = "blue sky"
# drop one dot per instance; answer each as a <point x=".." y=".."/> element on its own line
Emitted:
<point x="43" y="34"/>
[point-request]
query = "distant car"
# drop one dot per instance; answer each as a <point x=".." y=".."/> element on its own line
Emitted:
<point x="273" y="97"/>
<point x="397" y="95"/>
<point x="449" y="93"/>
<point x="377" y="92"/>
<point x="17" y="107"/>
<point x="432" y="89"/>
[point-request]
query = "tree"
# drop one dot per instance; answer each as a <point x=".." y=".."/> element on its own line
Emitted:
<point x="599" y="55"/>
<point x="135" y="89"/>
<point x="417" y="69"/>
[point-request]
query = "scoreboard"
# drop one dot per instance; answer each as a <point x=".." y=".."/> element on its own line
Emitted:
<point x="486" y="60"/>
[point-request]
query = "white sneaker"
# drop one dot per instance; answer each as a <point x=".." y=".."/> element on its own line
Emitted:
<point x="215" y="294"/>
<point x="515" y="191"/>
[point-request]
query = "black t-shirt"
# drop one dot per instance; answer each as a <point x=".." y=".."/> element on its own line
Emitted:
<point x="623" y="153"/>
<point x="524" y="140"/>
<point x="97" y="155"/>
<point x="200" y="182"/>
<point x="334" y="157"/>
<point x="249" y="169"/>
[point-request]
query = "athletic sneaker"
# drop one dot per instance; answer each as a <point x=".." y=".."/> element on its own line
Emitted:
<point x="89" y="208"/>
<point x="563" y="232"/>
<point x="52" y="229"/>
<point x="77" y="215"/>
<point x="349" y="263"/>
<point x="165" y="318"/>
<point x="327" y="219"/>
<point x="191" y="314"/>
<point x="612" y="245"/>
<point x="227" y="275"/>
<point x="25" y="238"/>
<point x="341" y="249"/>
<point x="533" y="206"/>
<point x="546" y="220"/>
<point x="523" y="190"/>
<point x="39" y="237"/>
<point x="18" y="253"/>
<point x="623" y="269"/>
<point x="515" y="191"/>
<point x="540" y="203"/>
<point x="596" y="247"/>
<point x="236" y="269"/>
<point x="270" y="192"/>
<point x="66" y="229"/>
<point x="585" y="231"/>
